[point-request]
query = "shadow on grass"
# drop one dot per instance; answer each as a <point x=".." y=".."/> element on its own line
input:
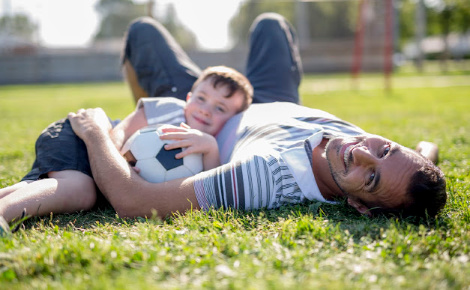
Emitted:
<point x="340" y="217"/>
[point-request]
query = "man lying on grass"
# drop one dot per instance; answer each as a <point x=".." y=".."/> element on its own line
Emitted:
<point x="275" y="154"/>
<point x="282" y="153"/>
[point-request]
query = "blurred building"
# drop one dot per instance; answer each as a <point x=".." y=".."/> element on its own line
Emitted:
<point x="24" y="63"/>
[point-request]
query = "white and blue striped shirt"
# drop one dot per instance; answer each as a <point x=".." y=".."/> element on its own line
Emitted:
<point x="268" y="150"/>
<point x="163" y="110"/>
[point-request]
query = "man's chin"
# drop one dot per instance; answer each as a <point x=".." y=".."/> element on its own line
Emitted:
<point x="330" y="149"/>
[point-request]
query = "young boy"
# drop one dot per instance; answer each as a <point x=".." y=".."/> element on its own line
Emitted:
<point x="61" y="180"/>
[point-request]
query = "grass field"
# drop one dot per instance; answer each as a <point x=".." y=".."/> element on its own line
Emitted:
<point x="300" y="247"/>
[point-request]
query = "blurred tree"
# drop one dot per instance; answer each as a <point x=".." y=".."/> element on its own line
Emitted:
<point x="333" y="19"/>
<point x="185" y="37"/>
<point x="406" y="23"/>
<point x="443" y="17"/>
<point x="249" y="10"/>
<point x="462" y="17"/>
<point x="451" y="16"/>
<point x="19" y="25"/>
<point x="325" y="19"/>
<point x="116" y="16"/>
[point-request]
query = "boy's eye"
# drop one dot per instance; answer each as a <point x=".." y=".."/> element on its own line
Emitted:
<point x="220" y="109"/>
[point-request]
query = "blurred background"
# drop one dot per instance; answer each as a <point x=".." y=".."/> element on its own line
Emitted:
<point x="53" y="41"/>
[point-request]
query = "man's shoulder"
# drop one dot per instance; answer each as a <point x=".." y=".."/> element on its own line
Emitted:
<point x="278" y="111"/>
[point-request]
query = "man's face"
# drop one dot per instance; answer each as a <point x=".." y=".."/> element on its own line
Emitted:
<point x="208" y="109"/>
<point x="371" y="170"/>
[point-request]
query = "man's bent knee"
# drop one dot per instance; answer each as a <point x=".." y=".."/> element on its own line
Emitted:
<point x="268" y="20"/>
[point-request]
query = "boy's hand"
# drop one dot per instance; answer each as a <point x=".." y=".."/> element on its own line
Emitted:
<point x="193" y="140"/>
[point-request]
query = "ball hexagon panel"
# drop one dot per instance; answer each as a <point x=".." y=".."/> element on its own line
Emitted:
<point x="194" y="163"/>
<point x="151" y="170"/>
<point x="146" y="145"/>
<point x="178" y="172"/>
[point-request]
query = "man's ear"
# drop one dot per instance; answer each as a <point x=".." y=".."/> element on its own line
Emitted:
<point x="188" y="96"/>
<point x="359" y="206"/>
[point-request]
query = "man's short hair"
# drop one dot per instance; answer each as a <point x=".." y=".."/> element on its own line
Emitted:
<point x="226" y="76"/>
<point x="426" y="193"/>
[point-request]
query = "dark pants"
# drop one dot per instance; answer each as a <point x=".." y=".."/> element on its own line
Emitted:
<point x="274" y="67"/>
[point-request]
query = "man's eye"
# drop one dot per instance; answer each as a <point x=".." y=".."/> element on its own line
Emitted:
<point x="371" y="178"/>
<point x="386" y="150"/>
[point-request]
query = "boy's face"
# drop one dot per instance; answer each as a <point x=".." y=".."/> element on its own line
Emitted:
<point x="207" y="108"/>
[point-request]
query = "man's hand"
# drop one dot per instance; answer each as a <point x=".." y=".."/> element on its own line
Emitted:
<point x="89" y="122"/>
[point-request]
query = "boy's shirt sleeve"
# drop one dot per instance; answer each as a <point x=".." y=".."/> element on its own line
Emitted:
<point x="163" y="110"/>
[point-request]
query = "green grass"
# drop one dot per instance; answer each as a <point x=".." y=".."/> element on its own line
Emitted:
<point x="299" y="247"/>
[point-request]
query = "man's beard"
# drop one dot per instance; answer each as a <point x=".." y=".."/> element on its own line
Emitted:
<point x="335" y="175"/>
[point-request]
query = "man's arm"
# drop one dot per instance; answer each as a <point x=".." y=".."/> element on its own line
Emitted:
<point x="128" y="193"/>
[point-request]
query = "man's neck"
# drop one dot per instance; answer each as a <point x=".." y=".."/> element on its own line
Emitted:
<point x="321" y="170"/>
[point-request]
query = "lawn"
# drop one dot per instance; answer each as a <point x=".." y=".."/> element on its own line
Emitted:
<point x="308" y="246"/>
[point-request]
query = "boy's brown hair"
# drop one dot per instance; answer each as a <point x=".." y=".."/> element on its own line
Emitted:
<point x="226" y="76"/>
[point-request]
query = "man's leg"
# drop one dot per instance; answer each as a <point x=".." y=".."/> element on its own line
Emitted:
<point x="132" y="81"/>
<point x="154" y="64"/>
<point x="274" y="67"/>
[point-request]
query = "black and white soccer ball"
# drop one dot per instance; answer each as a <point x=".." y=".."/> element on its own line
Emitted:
<point x="146" y="151"/>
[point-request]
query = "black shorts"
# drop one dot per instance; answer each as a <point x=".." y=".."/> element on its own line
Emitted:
<point x="59" y="148"/>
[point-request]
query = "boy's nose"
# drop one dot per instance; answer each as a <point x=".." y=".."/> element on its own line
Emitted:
<point x="205" y="110"/>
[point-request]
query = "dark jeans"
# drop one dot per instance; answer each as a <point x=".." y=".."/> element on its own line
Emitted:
<point x="273" y="67"/>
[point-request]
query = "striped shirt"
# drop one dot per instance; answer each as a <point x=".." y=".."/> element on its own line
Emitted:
<point x="268" y="150"/>
<point x="159" y="110"/>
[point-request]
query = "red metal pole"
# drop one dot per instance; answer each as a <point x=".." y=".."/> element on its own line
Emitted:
<point x="358" y="42"/>
<point x="388" y="50"/>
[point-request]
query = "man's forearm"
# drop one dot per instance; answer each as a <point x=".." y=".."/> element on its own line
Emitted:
<point x="111" y="172"/>
<point x="127" y="192"/>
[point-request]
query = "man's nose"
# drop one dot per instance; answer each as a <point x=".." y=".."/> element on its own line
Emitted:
<point x="363" y="157"/>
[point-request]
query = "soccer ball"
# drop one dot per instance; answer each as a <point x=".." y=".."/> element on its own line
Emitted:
<point x="144" y="150"/>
